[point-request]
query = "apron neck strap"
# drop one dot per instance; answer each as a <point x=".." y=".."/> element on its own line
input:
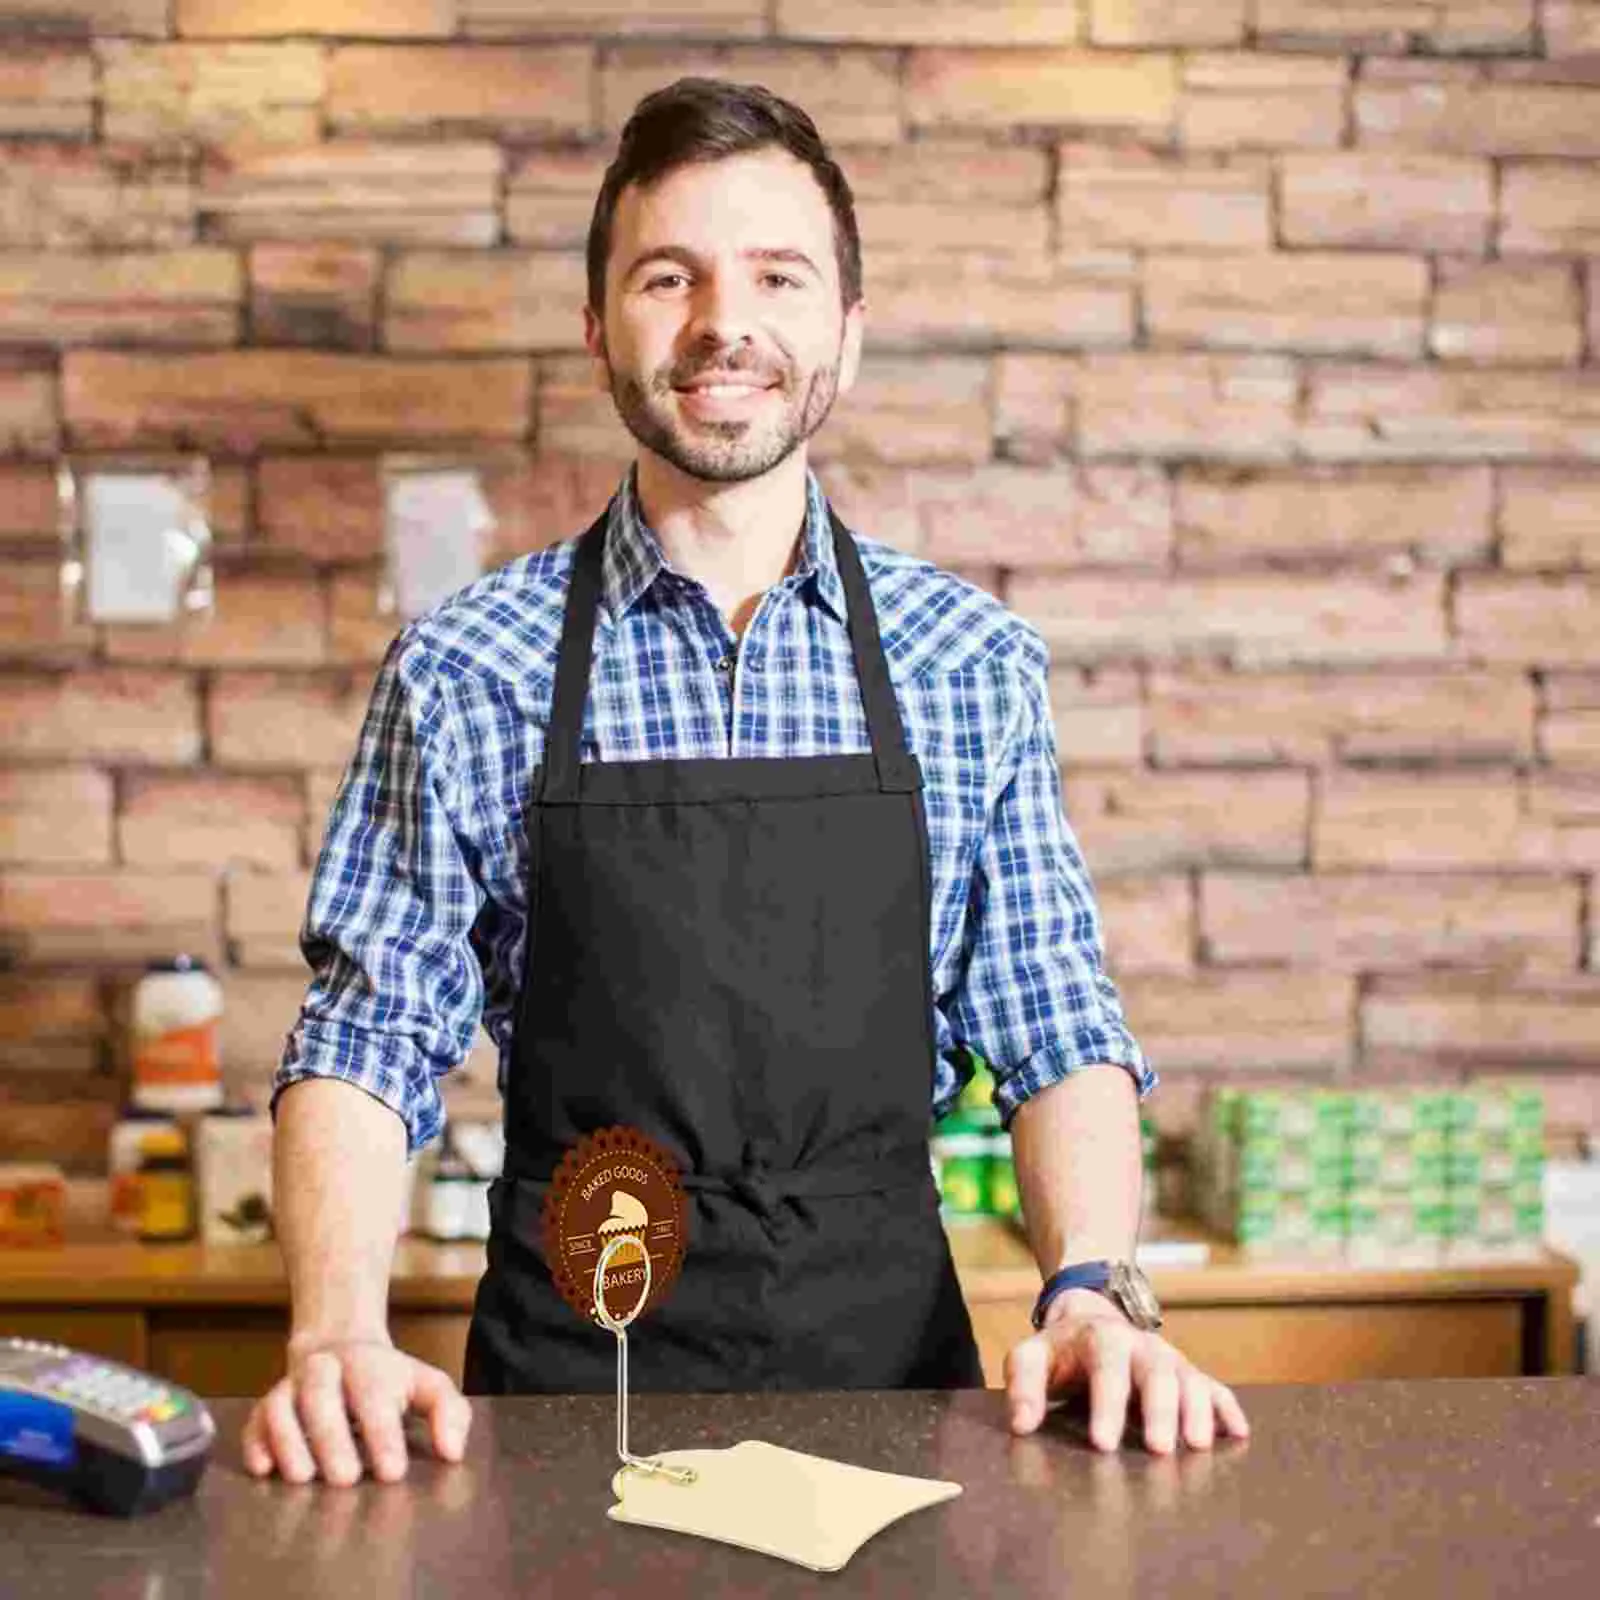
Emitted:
<point x="897" y="768"/>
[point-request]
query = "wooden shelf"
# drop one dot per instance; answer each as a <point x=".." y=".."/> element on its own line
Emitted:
<point x="215" y="1317"/>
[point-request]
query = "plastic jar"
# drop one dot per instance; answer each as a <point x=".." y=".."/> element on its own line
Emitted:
<point x="177" y="1006"/>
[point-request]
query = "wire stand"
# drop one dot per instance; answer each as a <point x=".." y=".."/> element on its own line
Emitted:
<point x="620" y="1328"/>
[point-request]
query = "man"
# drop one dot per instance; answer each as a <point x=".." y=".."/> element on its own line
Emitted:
<point x="732" y="827"/>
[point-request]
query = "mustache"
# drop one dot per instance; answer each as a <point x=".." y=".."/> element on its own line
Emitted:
<point x="751" y="366"/>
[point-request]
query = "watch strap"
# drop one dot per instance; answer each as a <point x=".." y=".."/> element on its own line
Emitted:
<point x="1079" y="1275"/>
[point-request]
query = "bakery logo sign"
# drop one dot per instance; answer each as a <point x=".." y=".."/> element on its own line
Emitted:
<point x="615" y="1183"/>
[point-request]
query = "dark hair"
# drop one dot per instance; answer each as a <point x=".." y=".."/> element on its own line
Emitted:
<point x="706" y="119"/>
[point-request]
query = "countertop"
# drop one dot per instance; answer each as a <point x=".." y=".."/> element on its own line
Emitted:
<point x="1463" y="1487"/>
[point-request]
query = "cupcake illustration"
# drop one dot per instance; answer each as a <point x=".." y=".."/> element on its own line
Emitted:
<point x="629" y="1219"/>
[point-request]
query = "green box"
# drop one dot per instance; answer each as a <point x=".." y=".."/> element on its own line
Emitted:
<point x="1462" y="1214"/>
<point x="1433" y="1110"/>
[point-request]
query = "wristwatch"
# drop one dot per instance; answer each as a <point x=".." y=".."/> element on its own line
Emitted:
<point x="1121" y="1282"/>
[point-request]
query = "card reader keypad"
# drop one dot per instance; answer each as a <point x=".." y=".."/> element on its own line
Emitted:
<point x="113" y="1391"/>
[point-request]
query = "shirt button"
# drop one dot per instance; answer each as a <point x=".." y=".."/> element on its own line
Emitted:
<point x="725" y="664"/>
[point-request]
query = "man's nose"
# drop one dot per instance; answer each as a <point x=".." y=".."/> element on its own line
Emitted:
<point x="724" y="310"/>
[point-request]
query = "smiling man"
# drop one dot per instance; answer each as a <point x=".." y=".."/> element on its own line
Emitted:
<point x="739" y="828"/>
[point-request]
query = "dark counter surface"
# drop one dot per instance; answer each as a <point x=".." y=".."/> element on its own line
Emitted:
<point x="1458" y="1487"/>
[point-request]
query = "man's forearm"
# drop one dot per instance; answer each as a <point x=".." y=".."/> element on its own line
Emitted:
<point x="338" y="1181"/>
<point x="1079" y="1168"/>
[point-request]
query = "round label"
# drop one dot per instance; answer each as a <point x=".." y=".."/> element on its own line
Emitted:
<point x="615" y="1183"/>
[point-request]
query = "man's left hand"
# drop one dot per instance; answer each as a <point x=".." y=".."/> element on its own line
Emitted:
<point x="1087" y="1342"/>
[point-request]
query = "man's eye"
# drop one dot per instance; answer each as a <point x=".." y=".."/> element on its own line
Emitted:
<point x="783" y="277"/>
<point x="662" y="278"/>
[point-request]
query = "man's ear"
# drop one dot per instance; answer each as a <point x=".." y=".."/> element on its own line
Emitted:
<point x="850" y="346"/>
<point x="594" y="341"/>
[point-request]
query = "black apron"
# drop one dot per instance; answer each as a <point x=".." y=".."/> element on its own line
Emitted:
<point x="731" y="955"/>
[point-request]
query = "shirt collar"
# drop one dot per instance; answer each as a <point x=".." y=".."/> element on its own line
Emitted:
<point x="633" y="558"/>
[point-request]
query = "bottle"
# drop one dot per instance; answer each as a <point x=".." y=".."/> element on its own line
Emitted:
<point x="176" y="1066"/>
<point x="166" y="1187"/>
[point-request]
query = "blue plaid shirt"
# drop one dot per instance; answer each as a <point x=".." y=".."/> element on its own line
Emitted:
<point x="415" y="927"/>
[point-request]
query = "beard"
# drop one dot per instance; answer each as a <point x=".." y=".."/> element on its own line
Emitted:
<point x="735" y="449"/>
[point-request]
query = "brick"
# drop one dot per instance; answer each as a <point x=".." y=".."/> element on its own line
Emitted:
<point x="508" y="300"/>
<point x="364" y="18"/>
<point x="542" y="499"/>
<point x="1550" y="207"/>
<point x="1257" y="619"/>
<point x="261" y="619"/>
<point x="1064" y="516"/>
<point x="148" y="17"/>
<point x="1437" y="516"/>
<point x="72" y="1132"/>
<point x="47" y="89"/>
<point x="244" y="400"/>
<point x="444" y="192"/>
<point x="576" y="415"/>
<point x="212" y="819"/>
<point x="1149" y="200"/>
<point x="1387" y="200"/>
<point x="550" y="197"/>
<point x="1148" y="924"/>
<point x="1142" y="822"/>
<point x="1170" y="22"/>
<point x="1240" y="101"/>
<point x="877" y="501"/>
<point x="912" y="411"/>
<point x="977" y="301"/>
<point x="1529" y="617"/>
<point x="986" y="22"/>
<point x="1570" y="691"/>
<point x="28" y="505"/>
<point x="35" y="624"/>
<point x="1098" y="715"/>
<point x="76" y="197"/>
<point x="1593" y="292"/>
<point x="286" y="720"/>
<point x="495" y="18"/>
<point x="322" y="294"/>
<point x="28" y="407"/>
<point x="851" y="94"/>
<point x="322" y="508"/>
<point x="1319" y="304"/>
<point x="102" y="917"/>
<point x="1571" y="738"/>
<point x="1446" y="113"/>
<point x="265" y="911"/>
<point x="1185" y="405"/>
<point x="120" y="714"/>
<point x="1549" y="518"/>
<point x="54" y="1024"/>
<point x="540" y="91"/>
<point x="216" y="93"/>
<point x="950" y="195"/>
<point x="1461" y="1022"/>
<point x="1570" y="27"/>
<point x="1375" y="922"/>
<point x="1388" y="413"/>
<point x="1521" y="312"/>
<point x="1428" y="822"/>
<point x="1377" y="25"/>
<point x="358" y="632"/>
<point x="1458" y="716"/>
<point x="1242" y="1021"/>
<point x="1041" y="88"/>
<point x="172" y="297"/>
<point x="259" y="1009"/>
<point x="55" y="816"/>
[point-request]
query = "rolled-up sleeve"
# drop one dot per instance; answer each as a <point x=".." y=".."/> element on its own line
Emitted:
<point x="396" y="991"/>
<point x="1034" y="998"/>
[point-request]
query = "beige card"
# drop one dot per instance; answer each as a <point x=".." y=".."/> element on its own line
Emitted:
<point x="784" y="1503"/>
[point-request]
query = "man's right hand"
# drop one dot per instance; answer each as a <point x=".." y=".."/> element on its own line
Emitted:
<point x="302" y="1426"/>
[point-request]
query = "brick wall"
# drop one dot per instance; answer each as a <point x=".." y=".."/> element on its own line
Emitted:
<point x="1251" y="348"/>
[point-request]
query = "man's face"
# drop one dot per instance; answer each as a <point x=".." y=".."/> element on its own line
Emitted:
<point x="724" y="342"/>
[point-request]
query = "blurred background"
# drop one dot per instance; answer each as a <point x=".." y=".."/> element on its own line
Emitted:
<point x="1248" y="348"/>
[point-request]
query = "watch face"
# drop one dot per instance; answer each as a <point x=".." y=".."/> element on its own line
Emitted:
<point x="1136" y="1296"/>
